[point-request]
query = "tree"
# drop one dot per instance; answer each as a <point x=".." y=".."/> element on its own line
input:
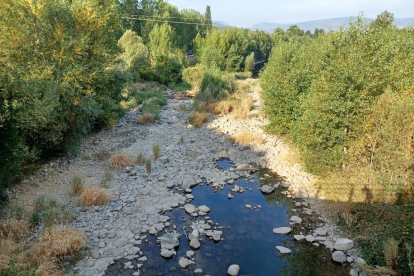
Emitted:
<point x="134" y="49"/>
<point x="384" y="21"/>
<point x="161" y="41"/>
<point x="294" y="30"/>
<point x="249" y="63"/>
<point x="208" y="21"/>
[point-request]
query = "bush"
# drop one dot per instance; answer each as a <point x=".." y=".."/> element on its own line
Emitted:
<point x="194" y="75"/>
<point x="93" y="196"/>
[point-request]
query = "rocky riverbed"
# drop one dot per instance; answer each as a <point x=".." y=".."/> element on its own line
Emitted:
<point x="144" y="207"/>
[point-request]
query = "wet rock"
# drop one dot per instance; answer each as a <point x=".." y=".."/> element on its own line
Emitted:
<point x="233" y="270"/>
<point x="204" y="209"/>
<point x="245" y="167"/>
<point x="166" y="253"/>
<point x="230" y="196"/>
<point x="295" y="219"/>
<point x="310" y="238"/>
<point x="343" y="244"/>
<point x="282" y="230"/>
<point x="283" y="250"/>
<point x="198" y="271"/>
<point x="266" y="189"/>
<point x="195" y="244"/>
<point x="299" y="237"/>
<point x="170" y="240"/>
<point x="339" y="256"/>
<point x="248" y="206"/>
<point x="189" y="208"/>
<point x="183" y="262"/>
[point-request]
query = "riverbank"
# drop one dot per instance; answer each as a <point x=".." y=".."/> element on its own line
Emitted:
<point x="139" y="199"/>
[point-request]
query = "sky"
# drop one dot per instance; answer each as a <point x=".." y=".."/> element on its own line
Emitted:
<point x="243" y="13"/>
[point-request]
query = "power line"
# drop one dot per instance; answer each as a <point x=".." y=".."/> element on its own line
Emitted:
<point x="166" y="21"/>
<point x="194" y="23"/>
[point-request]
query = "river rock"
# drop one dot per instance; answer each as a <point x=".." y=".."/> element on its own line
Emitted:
<point x="282" y="230"/>
<point x="245" y="167"/>
<point x="296" y="219"/>
<point x="283" y="250"/>
<point x="166" y="253"/>
<point x="310" y="238"/>
<point x="339" y="256"/>
<point x="189" y="208"/>
<point x="198" y="271"/>
<point x="320" y="232"/>
<point x="183" y="262"/>
<point x="299" y="237"/>
<point x="204" y="209"/>
<point x="233" y="270"/>
<point x="195" y="244"/>
<point x="170" y="240"/>
<point x="266" y="189"/>
<point x="343" y="244"/>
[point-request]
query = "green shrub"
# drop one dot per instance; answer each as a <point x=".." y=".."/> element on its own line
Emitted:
<point x="194" y="75"/>
<point x="215" y="85"/>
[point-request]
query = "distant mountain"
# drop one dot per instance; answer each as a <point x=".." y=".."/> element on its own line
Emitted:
<point x="326" y="24"/>
<point x="220" y="24"/>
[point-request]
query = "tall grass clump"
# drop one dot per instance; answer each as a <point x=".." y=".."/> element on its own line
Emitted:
<point x="156" y="151"/>
<point x="77" y="185"/>
<point x="119" y="161"/>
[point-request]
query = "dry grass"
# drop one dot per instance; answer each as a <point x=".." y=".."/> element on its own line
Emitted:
<point x="48" y="268"/>
<point x="77" y="185"/>
<point x="146" y="118"/>
<point x="224" y="107"/>
<point x="14" y="229"/>
<point x="247" y="137"/>
<point x="376" y="271"/>
<point x="242" y="110"/>
<point x="120" y="160"/>
<point x="93" y="196"/>
<point x="197" y="118"/>
<point x="156" y="151"/>
<point x="58" y="243"/>
<point x="182" y="107"/>
<point x="391" y="252"/>
<point x="292" y="156"/>
<point x="8" y="246"/>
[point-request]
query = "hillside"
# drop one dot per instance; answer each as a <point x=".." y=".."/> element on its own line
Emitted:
<point x="326" y="24"/>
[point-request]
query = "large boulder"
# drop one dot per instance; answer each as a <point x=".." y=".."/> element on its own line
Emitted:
<point x="204" y="209"/>
<point x="343" y="244"/>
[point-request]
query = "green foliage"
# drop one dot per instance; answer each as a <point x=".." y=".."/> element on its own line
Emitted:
<point x="321" y="90"/>
<point x="211" y="58"/>
<point x="14" y="270"/>
<point x="56" y="77"/>
<point x="249" y="63"/>
<point x="194" y="75"/>
<point x="384" y="20"/>
<point x="215" y="85"/>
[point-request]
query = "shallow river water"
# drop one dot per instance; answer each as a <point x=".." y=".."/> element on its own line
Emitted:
<point x="249" y="239"/>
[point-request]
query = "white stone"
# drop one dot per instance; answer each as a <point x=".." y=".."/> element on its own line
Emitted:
<point x="296" y="219"/>
<point x="166" y="253"/>
<point x="233" y="270"/>
<point x="299" y="237"/>
<point x="195" y="244"/>
<point x="282" y="230"/>
<point x="310" y="238"/>
<point x="343" y="244"/>
<point x="183" y="262"/>
<point x="339" y="256"/>
<point x="266" y="189"/>
<point x="204" y="209"/>
<point x="189" y="208"/>
<point x="283" y="250"/>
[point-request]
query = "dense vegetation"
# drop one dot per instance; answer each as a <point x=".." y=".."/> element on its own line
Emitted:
<point x="346" y="99"/>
